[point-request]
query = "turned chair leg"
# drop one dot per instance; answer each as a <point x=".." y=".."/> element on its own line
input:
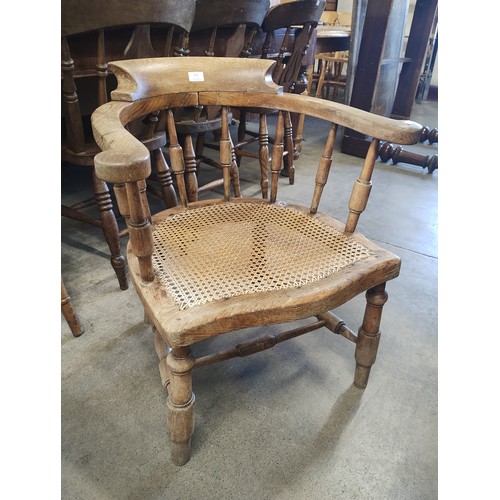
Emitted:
<point x="110" y="229"/>
<point x="369" y="335"/>
<point x="69" y="313"/>
<point x="180" y="402"/>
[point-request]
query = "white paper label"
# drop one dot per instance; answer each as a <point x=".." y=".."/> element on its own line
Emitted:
<point x="196" y="76"/>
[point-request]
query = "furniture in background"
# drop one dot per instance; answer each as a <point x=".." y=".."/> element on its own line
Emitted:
<point x="229" y="263"/>
<point x="380" y="78"/>
<point x="300" y="17"/>
<point x="331" y="75"/>
<point x="222" y="28"/>
<point x="93" y="33"/>
<point x="329" y="68"/>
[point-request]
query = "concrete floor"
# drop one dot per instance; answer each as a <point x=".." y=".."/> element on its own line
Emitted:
<point x="286" y="423"/>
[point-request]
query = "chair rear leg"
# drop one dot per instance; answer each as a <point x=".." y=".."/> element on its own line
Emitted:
<point x="110" y="229"/>
<point x="369" y="335"/>
<point x="180" y="402"/>
<point x="69" y="313"/>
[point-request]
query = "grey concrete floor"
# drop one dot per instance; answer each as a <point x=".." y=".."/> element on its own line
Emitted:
<point x="286" y="423"/>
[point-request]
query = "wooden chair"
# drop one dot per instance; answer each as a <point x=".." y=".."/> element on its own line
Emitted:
<point x="328" y="69"/>
<point x="331" y="73"/>
<point x="298" y="19"/>
<point x="228" y="263"/>
<point x="221" y="28"/>
<point x="93" y="33"/>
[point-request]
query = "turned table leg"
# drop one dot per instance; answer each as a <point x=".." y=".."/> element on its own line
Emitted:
<point x="369" y="335"/>
<point x="180" y="401"/>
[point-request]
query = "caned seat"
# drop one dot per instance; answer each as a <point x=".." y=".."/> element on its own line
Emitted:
<point x="230" y="262"/>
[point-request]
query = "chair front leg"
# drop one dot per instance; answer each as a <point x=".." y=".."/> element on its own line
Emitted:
<point x="369" y="335"/>
<point x="180" y="402"/>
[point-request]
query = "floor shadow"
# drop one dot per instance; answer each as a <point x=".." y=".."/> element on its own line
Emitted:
<point x="326" y="441"/>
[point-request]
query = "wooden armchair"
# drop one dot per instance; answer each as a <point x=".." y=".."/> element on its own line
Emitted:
<point x="93" y="33"/>
<point x="229" y="263"/>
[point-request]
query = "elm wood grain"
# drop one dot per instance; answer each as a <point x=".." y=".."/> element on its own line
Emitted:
<point x="91" y="31"/>
<point x="219" y="294"/>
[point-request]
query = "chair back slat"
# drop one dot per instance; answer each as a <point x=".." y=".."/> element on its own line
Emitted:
<point x="81" y="17"/>
<point x="301" y="18"/>
<point x="226" y="28"/>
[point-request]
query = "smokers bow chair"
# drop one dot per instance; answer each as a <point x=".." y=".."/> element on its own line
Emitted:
<point x="214" y="266"/>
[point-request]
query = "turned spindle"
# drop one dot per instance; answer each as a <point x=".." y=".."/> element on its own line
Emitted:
<point x="400" y="155"/>
<point x="429" y="135"/>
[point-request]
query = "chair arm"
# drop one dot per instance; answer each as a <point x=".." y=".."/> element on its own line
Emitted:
<point x="123" y="158"/>
<point x="364" y="122"/>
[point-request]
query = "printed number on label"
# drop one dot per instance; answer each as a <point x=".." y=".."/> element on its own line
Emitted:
<point x="196" y="76"/>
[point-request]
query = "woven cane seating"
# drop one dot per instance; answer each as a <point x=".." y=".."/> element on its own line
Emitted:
<point x="226" y="263"/>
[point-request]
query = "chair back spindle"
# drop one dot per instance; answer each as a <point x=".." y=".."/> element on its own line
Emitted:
<point x="324" y="168"/>
<point x="362" y="187"/>
<point x="277" y="155"/>
<point x="176" y="158"/>
<point x="226" y="155"/>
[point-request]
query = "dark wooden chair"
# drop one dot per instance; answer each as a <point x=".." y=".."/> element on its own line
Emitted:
<point x="93" y="33"/>
<point x="221" y="28"/>
<point x="331" y="74"/>
<point x="298" y="20"/>
<point x="228" y="263"/>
